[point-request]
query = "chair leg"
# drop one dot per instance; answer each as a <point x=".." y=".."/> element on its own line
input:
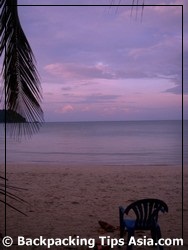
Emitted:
<point x="121" y="232"/>
<point x="121" y="220"/>
<point x="159" y="235"/>
<point x="130" y="234"/>
<point x="154" y="234"/>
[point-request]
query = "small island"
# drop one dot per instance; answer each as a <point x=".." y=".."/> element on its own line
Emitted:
<point x="11" y="116"/>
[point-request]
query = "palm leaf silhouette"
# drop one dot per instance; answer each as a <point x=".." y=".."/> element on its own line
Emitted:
<point x="21" y="82"/>
<point x="6" y="195"/>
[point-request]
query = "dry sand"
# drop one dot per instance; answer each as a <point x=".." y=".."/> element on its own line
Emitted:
<point x="66" y="201"/>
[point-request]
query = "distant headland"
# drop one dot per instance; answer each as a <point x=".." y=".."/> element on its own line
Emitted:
<point x="11" y="117"/>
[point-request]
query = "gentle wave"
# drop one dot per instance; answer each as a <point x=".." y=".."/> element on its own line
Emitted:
<point x="112" y="143"/>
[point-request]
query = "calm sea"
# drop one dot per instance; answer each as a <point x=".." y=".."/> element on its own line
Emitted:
<point x="101" y="143"/>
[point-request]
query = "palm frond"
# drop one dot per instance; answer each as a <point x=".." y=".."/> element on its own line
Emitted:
<point x="7" y="195"/>
<point x="21" y="81"/>
<point x="9" y="205"/>
<point x="137" y="4"/>
<point x="12" y="196"/>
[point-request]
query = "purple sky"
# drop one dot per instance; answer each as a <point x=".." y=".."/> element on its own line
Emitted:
<point x="97" y="63"/>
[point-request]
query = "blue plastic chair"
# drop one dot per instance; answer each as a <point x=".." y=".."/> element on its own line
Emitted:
<point x="146" y="218"/>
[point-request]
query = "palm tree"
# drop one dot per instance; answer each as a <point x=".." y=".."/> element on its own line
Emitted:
<point x="21" y="84"/>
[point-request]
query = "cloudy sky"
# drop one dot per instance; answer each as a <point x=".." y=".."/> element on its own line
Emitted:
<point x="108" y="62"/>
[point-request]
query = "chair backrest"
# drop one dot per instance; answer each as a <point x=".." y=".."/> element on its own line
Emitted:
<point x="146" y="211"/>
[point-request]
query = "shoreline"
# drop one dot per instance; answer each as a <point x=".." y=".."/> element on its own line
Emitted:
<point x="86" y="165"/>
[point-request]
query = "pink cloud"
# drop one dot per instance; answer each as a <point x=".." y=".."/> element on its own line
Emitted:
<point x="172" y="10"/>
<point x="80" y="71"/>
<point x="65" y="109"/>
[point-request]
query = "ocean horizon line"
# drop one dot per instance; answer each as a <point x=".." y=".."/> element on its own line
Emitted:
<point x="160" y="120"/>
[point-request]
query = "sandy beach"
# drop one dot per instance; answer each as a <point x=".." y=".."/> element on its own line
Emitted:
<point x="70" y="200"/>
